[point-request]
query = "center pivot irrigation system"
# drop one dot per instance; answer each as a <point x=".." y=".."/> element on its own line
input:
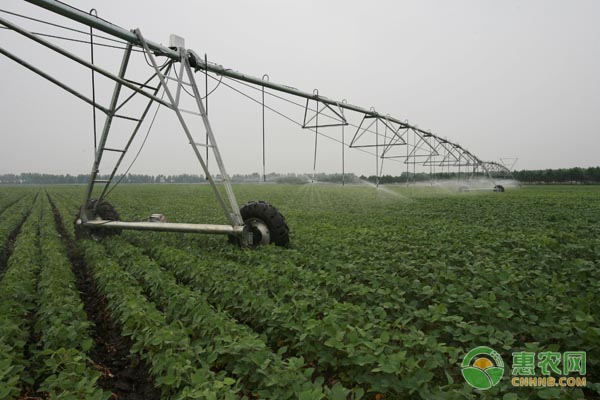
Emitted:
<point x="257" y="222"/>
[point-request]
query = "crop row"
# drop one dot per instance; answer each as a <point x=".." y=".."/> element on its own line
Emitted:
<point x="442" y="274"/>
<point x="462" y="288"/>
<point x="423" y="290"/>
<point x="44" y="331"/>
<point x="62" y="327"/>
<point x="439" y="308"/>
<point x="425" y="300"/>
<point x="459" y="296"/>
<point x="17" y="304"/>
<point x="449" y="286"/>
<point x="8" y="199"/>
<point x="345" y="341"/>
<point x="483" y="284"/>
<point x="230" y="346"/>
<point x="217" y="341"/>
<point x="174" y="362"/>
<point x="357" y="329"/>
<point x="12" y="216"/>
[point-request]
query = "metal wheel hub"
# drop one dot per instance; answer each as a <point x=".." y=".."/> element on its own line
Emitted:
<point x="259" y="230"/>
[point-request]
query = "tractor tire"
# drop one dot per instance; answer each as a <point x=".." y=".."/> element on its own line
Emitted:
<point x="499" y="188"/>
<point x="104" y="210"/>
<point x="258" y="215"/>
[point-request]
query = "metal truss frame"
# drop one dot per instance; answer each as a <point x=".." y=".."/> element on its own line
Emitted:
<point x="426" y="149"/>
<point x="228" y="203"/>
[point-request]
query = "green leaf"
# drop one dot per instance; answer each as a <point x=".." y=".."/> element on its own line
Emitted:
<point x="229" y="381"/>
<point x="338" y="392"/>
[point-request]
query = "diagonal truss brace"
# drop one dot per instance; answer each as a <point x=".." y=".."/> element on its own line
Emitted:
<point x="232" y="212"/>
<point x="319" y="111"/>
<point x="363" y="128"/>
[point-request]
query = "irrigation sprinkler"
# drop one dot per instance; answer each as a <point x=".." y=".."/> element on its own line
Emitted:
<point x="255" y="223"/>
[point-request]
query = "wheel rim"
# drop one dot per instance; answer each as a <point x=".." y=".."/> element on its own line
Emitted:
<point x="260" y="232"/>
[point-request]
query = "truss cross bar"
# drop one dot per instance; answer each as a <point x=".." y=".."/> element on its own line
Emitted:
<point x="422" y="135"/>
<point x="233" y="217"/>
<point x="106" y="129"/>
<point x="131" y="138"/>
<point x="320" y="110"/>
<point x="142" y="85"/>
<point x="357" y="136"/>
<point x="190" y="112"/>
<point x="170" y="78"/>
<point x="203" y="145"/>
<point x="126" y="117"/>
<point x="51" y="79"/>
<point x="77" y="59"/>
<point x="145" y="84"/>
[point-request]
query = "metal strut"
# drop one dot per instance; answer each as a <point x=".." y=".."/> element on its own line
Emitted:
<point x="263" y="130"/>
<point x="109" y="117"/>
<point x="233" y="213"/>
<point x="343" y="152"/>
<point x="95" y="13"/>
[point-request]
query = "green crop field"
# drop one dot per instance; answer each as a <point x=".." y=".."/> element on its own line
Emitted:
<point x="379" y="296"/>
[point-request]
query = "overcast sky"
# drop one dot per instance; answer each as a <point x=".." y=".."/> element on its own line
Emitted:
<point x="502" y="78"/>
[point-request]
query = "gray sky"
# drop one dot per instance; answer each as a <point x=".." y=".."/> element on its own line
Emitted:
<point x="502" y="78"/>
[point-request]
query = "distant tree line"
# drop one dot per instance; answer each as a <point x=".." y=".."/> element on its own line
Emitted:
<point x="547" y="176"/>
<point x="418" y="177"/>
<point x="564" y="175"/>
<point x="320" y="177"/>
<point x="51" y="179"/>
